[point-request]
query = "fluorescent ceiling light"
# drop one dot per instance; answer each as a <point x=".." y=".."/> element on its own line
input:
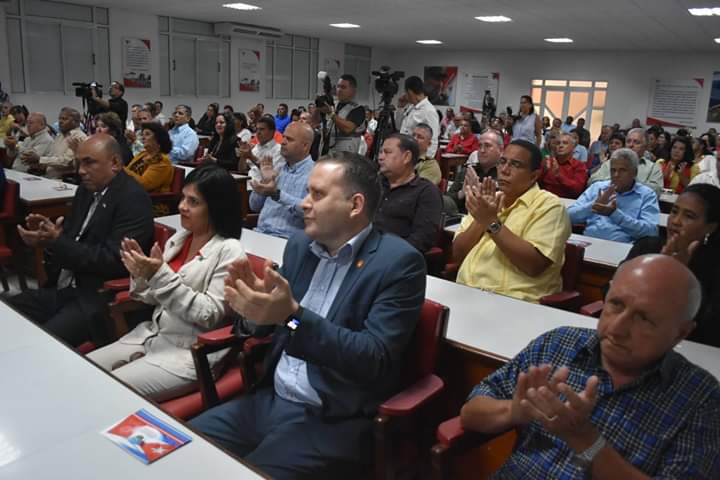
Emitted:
<point x="242" y="6"/>
<point x="494" y="19"/>
<point x="717" y="40"/>
<point x="429" y="42"/>
<point x="559" y="40"/>
<point x="344" y="25"/>
<point x="704" y="12"/>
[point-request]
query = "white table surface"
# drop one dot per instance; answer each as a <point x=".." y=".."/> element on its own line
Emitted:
<point x="54" y="404"/>
<point x="668" y="197"/>
<point x="497" y="325"/>
<point x="38" y="189"/>
<point x="662" y="222"/>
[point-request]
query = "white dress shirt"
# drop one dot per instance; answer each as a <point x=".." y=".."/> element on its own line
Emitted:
<point x="421" y="112"/>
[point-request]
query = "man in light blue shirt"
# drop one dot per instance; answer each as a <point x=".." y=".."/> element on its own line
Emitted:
<point x="579" y="151"/>
<point x="619" y="209"/>
<point x="277" y="196"/>
<point x="184" y="139"/>
<point x="568" y="126"/>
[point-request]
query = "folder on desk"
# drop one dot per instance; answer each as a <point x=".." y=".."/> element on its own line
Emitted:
<point x="145" y="436"/>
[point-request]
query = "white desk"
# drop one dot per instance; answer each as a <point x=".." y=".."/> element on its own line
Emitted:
<point x="661" y="223"/>
<point x="497" y="326"/>
<point x="35" y="190"/>
<point x="668" y="197"/>
<point x="55" y="403"/>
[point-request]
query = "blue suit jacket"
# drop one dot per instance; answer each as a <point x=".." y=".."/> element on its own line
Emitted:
<point x="355" y="355"/>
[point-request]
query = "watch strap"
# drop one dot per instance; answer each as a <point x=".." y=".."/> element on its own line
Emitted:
<point x="592" y="451"/>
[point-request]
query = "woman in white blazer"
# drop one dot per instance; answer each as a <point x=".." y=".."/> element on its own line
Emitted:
<point x="185" y="284"/>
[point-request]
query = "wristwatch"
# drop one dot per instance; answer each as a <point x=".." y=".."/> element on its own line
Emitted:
<point x="584" y="459"/>
<point x="275" y="195"/>
<point x="494" y="227"/>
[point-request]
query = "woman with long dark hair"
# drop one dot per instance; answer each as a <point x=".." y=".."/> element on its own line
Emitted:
<point x="222" y="146"/>
<point x="206" y="124"/>
<point x="679" y="169"/>
<point x="109" y="122"/>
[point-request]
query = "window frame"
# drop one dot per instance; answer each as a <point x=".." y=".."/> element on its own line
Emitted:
<point x="293" y="45"/>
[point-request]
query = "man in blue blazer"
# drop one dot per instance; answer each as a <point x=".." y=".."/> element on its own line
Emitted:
<point x="344" y="308"/>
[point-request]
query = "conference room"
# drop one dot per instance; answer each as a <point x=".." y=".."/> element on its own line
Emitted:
<point x="390" y="240"/>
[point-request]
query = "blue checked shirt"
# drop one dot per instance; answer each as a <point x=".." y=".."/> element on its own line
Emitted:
<point x="184" y="143"/>
<point x="291" y="378"/>
<point x="284" y="217"/>
<point x="637" y="214"/>
<point x="666" y="423"/>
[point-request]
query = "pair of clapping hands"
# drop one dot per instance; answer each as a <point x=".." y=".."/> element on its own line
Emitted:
<point x="268" y="184"/>
<point x="39" y="230"/>
<point x="606" y="201"/>
<point x="482" y="198"/>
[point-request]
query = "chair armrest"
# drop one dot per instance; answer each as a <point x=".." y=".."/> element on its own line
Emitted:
<point x="451" y="434"/>
<point x="593" y="309"/>
<point x="568" y="300"/>
<point x="412" y="398"/>
<point x="117" y="284"/>
<point x="221" y="336"/>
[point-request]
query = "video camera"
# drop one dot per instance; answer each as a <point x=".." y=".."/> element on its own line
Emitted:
<point x="386" y="83"/>
<point x="326" y="98"/>
<point x="85" y="90"/>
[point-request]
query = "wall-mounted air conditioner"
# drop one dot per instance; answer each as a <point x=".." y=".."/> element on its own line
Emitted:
<point x="245" y="30"/>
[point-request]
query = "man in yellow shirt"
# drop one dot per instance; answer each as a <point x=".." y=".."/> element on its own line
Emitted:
<point x="513" y="240"/>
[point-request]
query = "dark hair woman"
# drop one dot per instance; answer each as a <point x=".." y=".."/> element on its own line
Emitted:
<point x="109" y="122"/>
<point x="222" y="146"/>
<point x="679" y="169"/>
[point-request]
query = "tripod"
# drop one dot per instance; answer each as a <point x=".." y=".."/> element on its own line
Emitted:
<point x="385" y="128"/>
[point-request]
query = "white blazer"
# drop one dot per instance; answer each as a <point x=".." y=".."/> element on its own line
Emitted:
<point x="187" y="303"/>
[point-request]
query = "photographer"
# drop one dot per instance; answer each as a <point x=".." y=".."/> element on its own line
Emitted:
<point x="114" y="104"/>
<point x="346" y="122"/>
<point x="419" y="111"/>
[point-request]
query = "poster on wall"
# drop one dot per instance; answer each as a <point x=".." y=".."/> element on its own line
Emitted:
<point x="137" y="63"/>
<point x="713" y="114"/>
<point x="480" y="92"/>
<point x="674" y="103"/>
<point x="249" y="70"/>
<point x="440" y="84"/>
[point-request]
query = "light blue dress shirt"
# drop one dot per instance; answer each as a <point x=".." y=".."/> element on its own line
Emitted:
<point x="184" y="143"/>
<point x="580" y="153"/>
<point x="636" y="216"/>
<point x="291" y="377"/>
<point x="284" y="217"/>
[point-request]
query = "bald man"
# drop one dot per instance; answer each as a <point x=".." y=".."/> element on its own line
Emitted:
<point x="60" y="158"/>
<point x="84" y="251"/>
<point x="38" y="142"/>
<point x="616" y="402"/>
<point x="277" y="196"/>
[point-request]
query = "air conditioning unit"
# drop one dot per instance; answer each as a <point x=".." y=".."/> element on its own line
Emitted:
<point x="246" y="30"/>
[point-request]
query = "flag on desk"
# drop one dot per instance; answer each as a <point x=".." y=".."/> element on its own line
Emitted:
<point x="145" y="436"/>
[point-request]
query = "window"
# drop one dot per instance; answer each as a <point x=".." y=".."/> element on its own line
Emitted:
<point x="193" y="60"/>
<point x="291" y="66"/>
<point x="575" y="98"/>
<point x="357" y="64"/>
<point x="54" y="44"/>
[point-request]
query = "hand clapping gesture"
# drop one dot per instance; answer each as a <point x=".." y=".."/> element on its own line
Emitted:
<point x="136" y="262"/>
<point x="483" y="201"/>
<point x="606" y="201"/>
<point x="40" y="230"/>
<point x="267" y="301"/>
<point x="674" y="248"/>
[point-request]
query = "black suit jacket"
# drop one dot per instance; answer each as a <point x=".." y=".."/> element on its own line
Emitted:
<point x="124" y="211"/>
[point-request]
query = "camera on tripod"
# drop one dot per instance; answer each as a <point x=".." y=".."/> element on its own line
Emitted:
<point x="85" y="90"/>
<point x="386" y="82"/>
<point x="326" y="99"/>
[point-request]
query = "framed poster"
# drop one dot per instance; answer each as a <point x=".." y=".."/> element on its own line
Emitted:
<point x="136" y="63"/>
<point x="674" y="103"/>
<point x="249" y="65"/>
<point x="480" y="91"/>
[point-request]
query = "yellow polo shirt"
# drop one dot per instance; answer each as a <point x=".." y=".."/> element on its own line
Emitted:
<point x="537" y="217"/>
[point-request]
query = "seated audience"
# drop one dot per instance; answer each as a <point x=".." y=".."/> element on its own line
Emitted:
<point x="38" y="142"/>
<point x="206" y="124"/>
<point x="185" y="141"/>
<point x="693" y="238"/>
<point x="710" y="176"/>
<point x="19" y="128"/>
<point x="620" y="209"/>
<point x="453" y="127"/>
<point x="135" y="137"/>
<point x="134" y="122"/>
<point x="427" y="167"/>
<point x="648" y="172"/>
<point x="6" y="119"/>
<point x="342" y="353"/>
<point x="152" y="167"/>
<point x="612" y="402"/>
<point x="568" y="126"/>
<point x="109" y="123"/>
<point x="679" y="169"/>
<point x="221" y="149"/>
<point x="60" y="159"/>
<point x="513" y="240"/>
<point x="185" y="284"/>
<point x="242" y="129"/>
<point x="582" y="133"/>
<point x="599" y="148"/>
<point x="314" y="122"/>
<point x="704" y="158"/>
<point x="158" y="114"/>
<point x="266" y="147"/>
<point x="555" y="129"/>
<point x="579" y="151"/>
<point x="84" y="251"/>
<point x="463" y="142"/>
<point x="483" y="161"/>
<point x="562" y="173"/>
<point x="410" y="206"/>
<point x="282" y="119"/>
<point x="278" y="195"/>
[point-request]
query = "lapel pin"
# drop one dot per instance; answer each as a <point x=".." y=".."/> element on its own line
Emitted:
<point x="360" y="263"/>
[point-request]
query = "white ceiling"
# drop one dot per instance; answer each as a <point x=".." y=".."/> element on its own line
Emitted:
<point x="616" y="25"/>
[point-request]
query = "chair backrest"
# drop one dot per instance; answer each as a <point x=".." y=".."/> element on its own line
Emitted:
<point x="422" y="355"/>
<point x="163" y="234"/>
<point x="574" y="256"/>
<point x="10" y="200"/>
<point x="177" y="181"/>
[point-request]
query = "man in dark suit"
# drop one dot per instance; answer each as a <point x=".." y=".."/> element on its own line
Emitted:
<point x="344" y="308"/>
<point x="84" y="252"/>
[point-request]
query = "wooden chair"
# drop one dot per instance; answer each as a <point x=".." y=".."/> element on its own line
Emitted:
<point x="569" y="299"/>
<point x="168" y="201"/>
<point x="8" y="217"/>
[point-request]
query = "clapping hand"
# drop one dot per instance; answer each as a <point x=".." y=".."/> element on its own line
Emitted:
<point x="553" y="166"/>
<point x="267" y="301"/>
<point x="675" y="248"/>
<point x="74" y="143"/>
<point x="484" y="202"/>
<point x="40" y="230"/>
<point x="605" y="204"/>
<point x="136" y="262"/>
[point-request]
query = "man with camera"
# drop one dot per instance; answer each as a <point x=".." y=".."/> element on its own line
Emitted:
<point x="113" y="104"/>
<point x="415" y="108"/>
<point x="346" y="122"/>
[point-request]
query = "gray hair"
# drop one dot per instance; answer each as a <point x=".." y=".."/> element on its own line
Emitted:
<point x="39" y="115"/>
<point x="565" y="134"/>
<point x="627" y="155"/>
<point x="640" y="131"/>
<point x="426" y="127"/>
<point x="498" y="138"/>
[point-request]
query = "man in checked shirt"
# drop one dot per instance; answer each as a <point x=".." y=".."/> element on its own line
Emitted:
<point x="620" y="403"/>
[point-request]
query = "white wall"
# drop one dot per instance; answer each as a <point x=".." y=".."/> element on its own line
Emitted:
<point x="628" y="74"/>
